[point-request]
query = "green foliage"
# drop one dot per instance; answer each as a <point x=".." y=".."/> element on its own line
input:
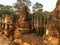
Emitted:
<point x="42" y="19"/>
<point x="16" y="17"/>
<point x="37" y="7"/>
<point x="25" y="2"/>
<point x="19" y="3"/>
<point x="6" y="12"/>
<point x="41" y="31"/>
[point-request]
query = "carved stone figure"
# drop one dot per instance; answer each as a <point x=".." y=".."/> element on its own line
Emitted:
<point x="24" y="25"/>
<point x="7" y="25"/>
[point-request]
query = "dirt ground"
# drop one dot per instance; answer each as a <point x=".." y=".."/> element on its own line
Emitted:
<point x="27" y="38"/>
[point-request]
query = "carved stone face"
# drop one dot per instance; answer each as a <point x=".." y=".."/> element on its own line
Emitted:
<point x="23" y="12"/>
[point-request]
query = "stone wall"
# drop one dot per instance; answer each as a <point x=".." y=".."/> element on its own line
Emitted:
<point x="52" y="35"/>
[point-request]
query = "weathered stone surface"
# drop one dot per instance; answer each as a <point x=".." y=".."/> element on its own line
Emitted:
<point x="7" y="26"/>
<point x="24" y="25"/>
<point x="24" y="30"/>
<point x="57" y="10"/>
<point x="52" y="36"/>
<point x="49" y="40"/>
<point x="4" y="40"/>
<point x="25" y="39"/>
<point x="54" y="26"/>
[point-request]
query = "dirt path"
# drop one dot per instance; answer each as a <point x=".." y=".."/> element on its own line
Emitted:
<point x="32" y="39"/>
<point x="29" y="38"/>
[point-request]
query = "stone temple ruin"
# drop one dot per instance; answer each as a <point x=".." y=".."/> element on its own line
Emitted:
<point x="24" y="25"/>
<point x="19" y="33"/>
<point x="22" y="32"/>
<point x="52" y="35"/>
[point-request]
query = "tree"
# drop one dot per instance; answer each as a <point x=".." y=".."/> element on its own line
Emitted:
<point x="25" y="2"/>
<point x="1" y="6"/>
<point x="48" y="16"/>
<point x="37" y="12"/>
<point x="8" y="7"/>
<point x="19" y="3"/>
<point x="6" y="10"/>
<point x="37" y="7"/>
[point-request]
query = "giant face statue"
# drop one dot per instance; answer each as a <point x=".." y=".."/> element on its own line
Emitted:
<point x="23" y="12"/>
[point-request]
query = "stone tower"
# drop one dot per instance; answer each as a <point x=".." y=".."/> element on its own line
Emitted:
<point x="24" y="25"/>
